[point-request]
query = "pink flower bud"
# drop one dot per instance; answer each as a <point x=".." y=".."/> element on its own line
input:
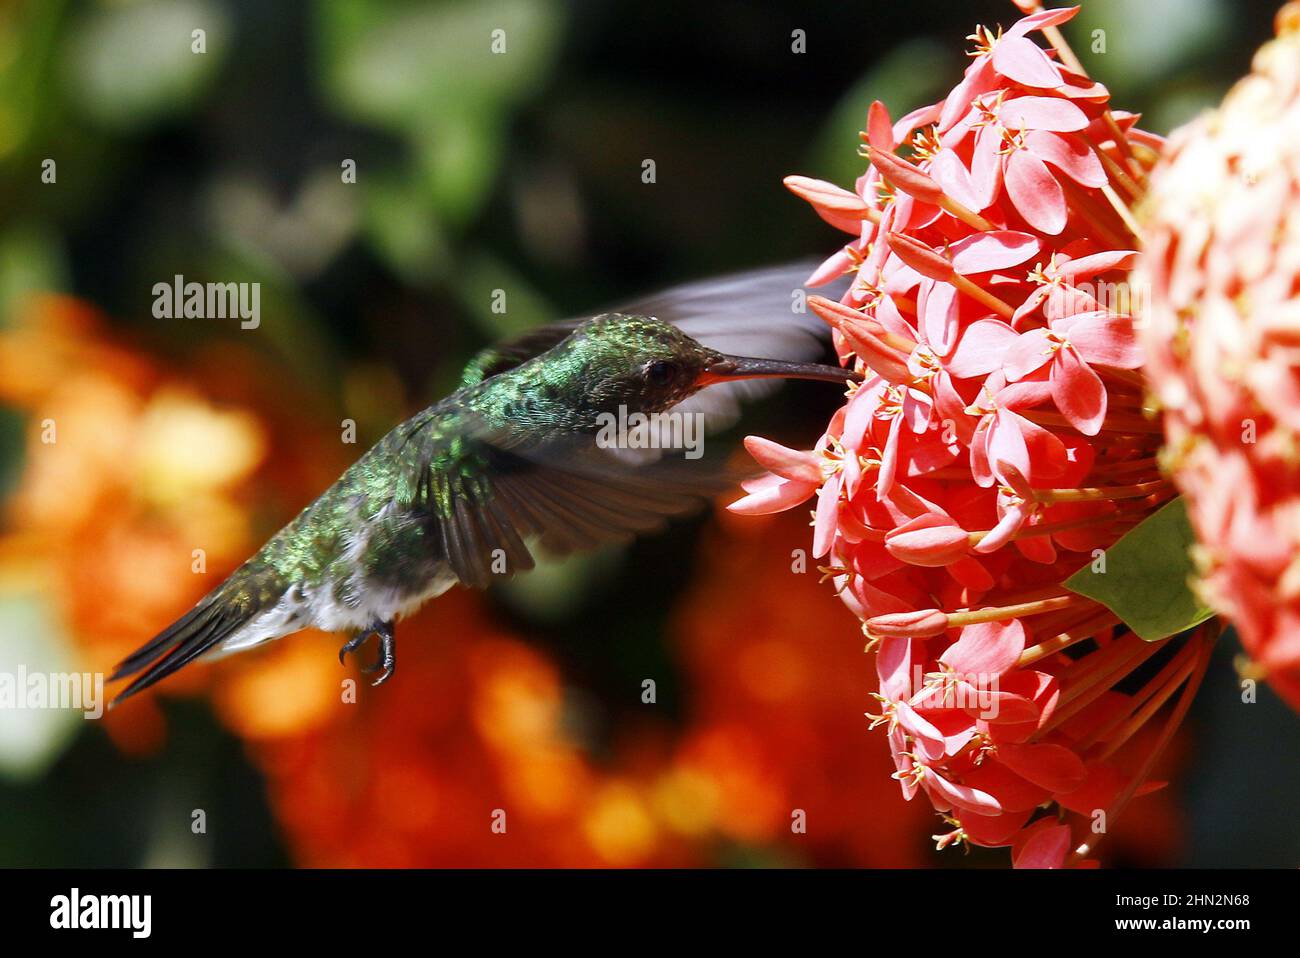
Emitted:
<point x="921" y="623"/>
<point x="928" y="540"/>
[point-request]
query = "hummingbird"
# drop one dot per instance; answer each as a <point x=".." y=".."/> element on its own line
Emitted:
<point x="456" y="493"/>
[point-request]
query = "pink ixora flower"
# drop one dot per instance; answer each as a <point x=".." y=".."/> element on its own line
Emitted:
<point x="1067" y="346"/>
<point x="997" y="439"/>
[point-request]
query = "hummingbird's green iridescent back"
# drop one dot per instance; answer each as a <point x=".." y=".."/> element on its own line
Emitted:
<point x="422" y="497"/>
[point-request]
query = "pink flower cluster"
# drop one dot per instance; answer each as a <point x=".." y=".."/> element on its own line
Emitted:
<point x="997" y="445"/>
<point x="1223" y="263"/>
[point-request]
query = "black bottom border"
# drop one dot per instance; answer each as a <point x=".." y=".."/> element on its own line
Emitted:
<point x="330" y="907"/>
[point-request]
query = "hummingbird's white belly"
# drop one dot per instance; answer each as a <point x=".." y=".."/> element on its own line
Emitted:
<point x="319" y="608"/>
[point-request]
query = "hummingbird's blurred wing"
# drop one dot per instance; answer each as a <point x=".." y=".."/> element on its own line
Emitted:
<point x="570" y="494"/>
<point x="490" y="491"/>
<point x="758" y="312"/>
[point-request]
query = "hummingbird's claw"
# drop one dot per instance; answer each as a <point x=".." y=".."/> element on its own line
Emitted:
<point x="353" y="644"/>
<point x="387" y="660"/>
<point x="387" y="653"/>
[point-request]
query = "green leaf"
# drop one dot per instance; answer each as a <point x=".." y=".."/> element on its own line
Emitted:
<point x="1146" y="576"/>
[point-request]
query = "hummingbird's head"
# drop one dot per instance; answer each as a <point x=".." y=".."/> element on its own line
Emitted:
<point x="649" y="365"/>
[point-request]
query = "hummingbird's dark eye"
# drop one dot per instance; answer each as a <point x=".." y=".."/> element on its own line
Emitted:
<point x="659" y="372"/>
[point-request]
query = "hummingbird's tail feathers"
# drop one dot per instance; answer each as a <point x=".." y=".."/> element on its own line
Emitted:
<point x="196" y="632"/>
<point x="164" y="641"/>
<point x="217" y="616"/>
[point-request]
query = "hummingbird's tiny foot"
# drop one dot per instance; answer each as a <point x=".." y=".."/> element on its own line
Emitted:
<point x="387" y="659"/>
<point x="387" y="653"/>
<point x="353" y="644"/>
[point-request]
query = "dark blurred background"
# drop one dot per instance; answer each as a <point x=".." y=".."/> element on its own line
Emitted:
<point x="475" y="171"/>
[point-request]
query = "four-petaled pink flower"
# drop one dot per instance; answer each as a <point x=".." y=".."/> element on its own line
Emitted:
<point x="1069" y="347"/>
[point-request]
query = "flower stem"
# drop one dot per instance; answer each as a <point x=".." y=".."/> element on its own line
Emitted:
<point x="1121" y="210"/>
<point x="1119" y="422"/>
<point x="1083" y="204"/>
<point x="1004" y="612"/>
<point x="1005" y="310"/>
<point x="1102" y="493"/>
<point x="1207" y="634"/>
<point x="1096" y="674"/>
<point x="1127" y="465"/>
<point x="1086" y="629"/>
<point x="1115" y="171"/>
<point x="1145" y="703"/>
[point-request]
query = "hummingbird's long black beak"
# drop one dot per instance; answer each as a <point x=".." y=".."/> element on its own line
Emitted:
<point x="732" y="368"/>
